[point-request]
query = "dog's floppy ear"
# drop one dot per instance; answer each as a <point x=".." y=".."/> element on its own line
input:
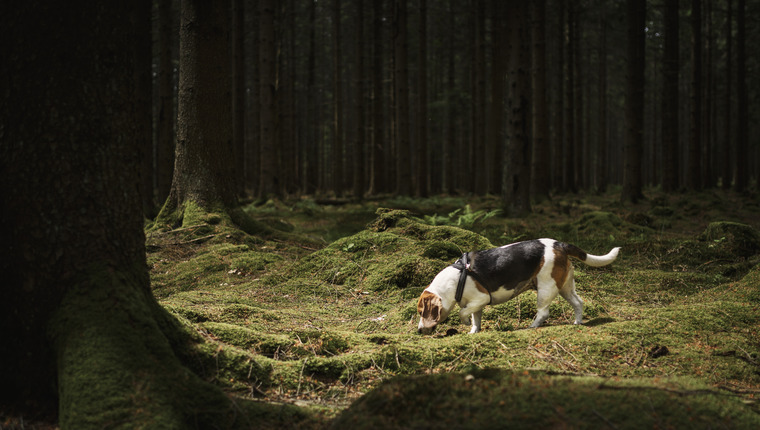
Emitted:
<point x="429" y="308"/>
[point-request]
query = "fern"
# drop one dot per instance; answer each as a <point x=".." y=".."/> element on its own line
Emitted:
<point x="465" y="218"/>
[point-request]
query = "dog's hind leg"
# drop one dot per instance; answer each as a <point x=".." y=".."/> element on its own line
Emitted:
<point x="569" y="294"/>
<point x="546" y="293"/>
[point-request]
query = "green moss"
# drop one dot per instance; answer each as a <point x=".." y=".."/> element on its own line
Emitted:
<point x="497" y="399"/>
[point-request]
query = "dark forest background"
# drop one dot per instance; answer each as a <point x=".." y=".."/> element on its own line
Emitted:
<point x="363" y="98"/>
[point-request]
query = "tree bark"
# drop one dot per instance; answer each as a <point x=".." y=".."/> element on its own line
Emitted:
<point x="742" y="128"/>
<point x="541" y="157"/>
<point x="359" y="171"/>
<point x="84" y="336"/>
<point x="338" y="182"/>
<point x="670" y="157"/>
<point x="238" y="95"/>
<point x="404" y="185"/>
<point x="634" y="100"/>
<point x="726" y="171"/>
<point x="269" y="181"/>
<point x="516" y="189"/>
<point x="422" y="183"/>
<point x="602" y="165"/>
<point x="378" y="145"/>
<point x="203" y="178"/>
<point x="166" y="115"/>
<point x="694" y="172"/>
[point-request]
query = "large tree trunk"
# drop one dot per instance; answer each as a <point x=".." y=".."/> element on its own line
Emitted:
<point x="378" y="182"/>
<point x="203" y="173"/>
<point x="81" y="327"/>
<point x="422" y="188"/>
<point x="516" y="189"/>
<point x="269" y="150"/>
<point x="634" y="100"/>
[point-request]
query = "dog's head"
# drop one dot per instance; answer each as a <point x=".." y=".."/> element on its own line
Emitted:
<point x="430" y="308"/>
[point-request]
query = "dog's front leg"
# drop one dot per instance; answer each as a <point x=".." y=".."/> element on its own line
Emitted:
<point x="476" y="321"/>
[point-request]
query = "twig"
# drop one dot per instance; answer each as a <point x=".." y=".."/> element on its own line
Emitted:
<point x="608" y="422"/>
<point x="300" y="377"/>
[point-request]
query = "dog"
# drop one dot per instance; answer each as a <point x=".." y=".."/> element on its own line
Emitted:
<point x="497" y="275"/>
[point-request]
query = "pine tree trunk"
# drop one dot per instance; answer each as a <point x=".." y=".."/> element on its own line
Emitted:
<point x="541" y="157"/>
<point x="337" y="148"/>
<point x="269" y="149"/>
<point x="166" y="114"/>
<point x="238" y="95"/>
<point x="83" y="335"/>
<point x="634" y="100"/>
<point x="203" y="177"/>
<point x="602" y="165"/>
<point x="359" y="147"/>
<point x="742" y="128"/>
<point x="404" y="185"/>
<point x="378" y="144"/>
<point x="670" y="69"/>
<point x="725" y="171"/>
<point x="516" y="189"/>
<point x="694" y="172"/>
<point x="422" y="187"/>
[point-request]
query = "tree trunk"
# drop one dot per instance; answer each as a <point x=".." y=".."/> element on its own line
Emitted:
<point x="401" y="81"/>
<point x="694" y="172"/>
<point x="83" y="334"/>
<point x="726" y="171"/>
<point x="166" y="116"/>
<point x="337" y="152"/>
<point x="516" y="189"/>
<point x="568" y="158"/>
<point x="541" y="157"/>
<point x="422" y="187"/>
<point x="203" y="178"/>
<point x="670" y="69"/>
<point x="378" y="126"/>
<point x="634" y="100"/>
<point x="269" y="181"/>
<point x="238" y="95"/>
<point x="602" y="165"/>
<point x="358" y="164"/>
<point x="494" y="137"/>
<point x="742" y="127"/>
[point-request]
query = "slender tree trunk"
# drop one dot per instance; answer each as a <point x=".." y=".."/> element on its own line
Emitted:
<point x="404" y="183"/>
<point x="602" y="165"/>
<point x="358" y="164"/>
<point x="726" y="171"/>
<point x="742" y="128"/>
<point x="311" y="163"/>
<point x="634" y="100"/>
<point x="238" y="95"/>
<point x="694" y="172"/>
<point x="541" y="157"/>
<point x="83" y="335"/>
<point x="516" y="190"/>
<point x="480" y="162"/>
<point x="670" y="69"/>
<point x="450" y="156"/>
<point x="143" y="91"/>
<point x="166" y="116"/>
<point x="423" y="180"/>
<point x="337" y="153"/>
<point x="568" y="158"/>
<point x="269" y="180"/>
<point x="378" y="144"/>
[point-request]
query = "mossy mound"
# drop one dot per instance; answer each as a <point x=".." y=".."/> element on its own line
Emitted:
<point x="729" y="249"/>
<point x="396" y="251"/>
<point x="493" y="398"/>
<point x="732" y="239"/>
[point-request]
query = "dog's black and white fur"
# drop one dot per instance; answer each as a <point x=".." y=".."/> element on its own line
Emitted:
<point x="541" y="264"/>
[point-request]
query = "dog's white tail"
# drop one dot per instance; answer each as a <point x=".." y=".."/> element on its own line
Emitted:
<point x="602" y="260"/>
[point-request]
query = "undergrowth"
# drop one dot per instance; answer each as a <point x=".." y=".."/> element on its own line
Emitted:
<point x="671" y="326"/>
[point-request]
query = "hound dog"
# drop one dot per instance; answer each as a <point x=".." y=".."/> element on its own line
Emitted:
<point x="497" y="275"/>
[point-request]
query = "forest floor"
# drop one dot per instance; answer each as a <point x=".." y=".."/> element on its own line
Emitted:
<point x="671" y="335"/>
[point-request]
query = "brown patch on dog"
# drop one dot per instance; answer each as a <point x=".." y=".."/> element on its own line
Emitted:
<point x="429" y="307"/>
<point x="561" y="267"/>
<point x="481" y="288"/>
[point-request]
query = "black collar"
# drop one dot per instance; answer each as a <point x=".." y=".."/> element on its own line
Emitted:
<point x="463" y="265"/>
